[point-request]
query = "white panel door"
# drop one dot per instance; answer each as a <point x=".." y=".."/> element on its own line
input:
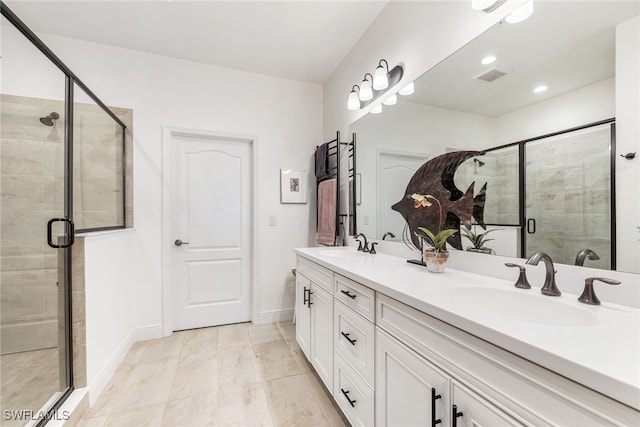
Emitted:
<point x="394" y="173"/>
<point x="211" y="211"/>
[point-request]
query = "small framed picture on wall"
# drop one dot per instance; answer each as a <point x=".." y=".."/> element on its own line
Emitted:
<point x="293" y="186"/>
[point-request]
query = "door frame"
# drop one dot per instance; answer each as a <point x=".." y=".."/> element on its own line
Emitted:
<point x="168" y="133"/>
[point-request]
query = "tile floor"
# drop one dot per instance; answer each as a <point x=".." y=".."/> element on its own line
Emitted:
<point x="234" y="375"/>
<point x="29" y="380"/>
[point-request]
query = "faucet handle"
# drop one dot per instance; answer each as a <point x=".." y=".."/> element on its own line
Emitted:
<point x="588" y="295"/>
<point x="373" y="248"/>
<point x="522" y="281"/>
<point x="359" y="245"/>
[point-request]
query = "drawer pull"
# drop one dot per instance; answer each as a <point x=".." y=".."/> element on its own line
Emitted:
<point x="347" y="293"/>
<point x="346" y="394"/>
<point x="353" y="342"/>
<point x="305" y="297"/>
<point x="434" y="397"/>
<point x="454" y="415"/>
<point x="309" y="300"/>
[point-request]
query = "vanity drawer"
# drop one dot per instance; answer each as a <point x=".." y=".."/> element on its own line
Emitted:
<point x="319" y="275"/>
<point x="353" y="395"/>
<point x="354" y="295"/>
<point x="354" y="339"/>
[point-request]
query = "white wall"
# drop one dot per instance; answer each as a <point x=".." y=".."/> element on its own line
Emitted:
<point x="577" y="108"/>
<point x="110" y="282"/>
<point x="628" y="140"/>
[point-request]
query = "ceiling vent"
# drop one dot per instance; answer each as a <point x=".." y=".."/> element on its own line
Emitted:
<point x="490" y="75"/>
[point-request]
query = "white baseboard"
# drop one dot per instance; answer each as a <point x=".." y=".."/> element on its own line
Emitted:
<point x="97" y="384"/>
<point x="148" y="332"/>
<point x="272" y="316"/>
<point x="100" y="381"/>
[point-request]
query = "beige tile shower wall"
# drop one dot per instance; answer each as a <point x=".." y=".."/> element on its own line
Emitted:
<point x="31" y="166"/>
<point x="571" y="200"/>
<point x="31" y="189"/>
<point x="98" y="189"/>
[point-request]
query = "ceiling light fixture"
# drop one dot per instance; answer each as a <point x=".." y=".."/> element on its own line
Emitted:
<point x="366" y="89"/>
<point x="540" y="88"/>
<point x="380" y="76"/>
<point x="374" y="86"/>
<point x="490" y="59"/>
<point x="521" y="13"/>
<point x="407" y="90"/>
<point x="353" y="103"/>
<point x="486" y="5"/>
<point x="377" y="109"/>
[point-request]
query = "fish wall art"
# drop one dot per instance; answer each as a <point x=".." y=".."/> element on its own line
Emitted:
<point x="435" y="178"/>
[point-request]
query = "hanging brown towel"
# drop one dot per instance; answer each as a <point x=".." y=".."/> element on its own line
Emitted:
<point x="321" y="160"/>
<point x="327" y="212"/>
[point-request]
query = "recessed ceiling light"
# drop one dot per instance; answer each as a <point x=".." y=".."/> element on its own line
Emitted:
<point x="540" y="88"/>
<point x="488" y="60"/>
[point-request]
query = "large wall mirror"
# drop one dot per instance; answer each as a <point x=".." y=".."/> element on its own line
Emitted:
<point x="559" y="140"/>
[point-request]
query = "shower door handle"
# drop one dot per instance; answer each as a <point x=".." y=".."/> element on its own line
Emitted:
<point x="531" y="225"/>
<point x="69" y="232"/>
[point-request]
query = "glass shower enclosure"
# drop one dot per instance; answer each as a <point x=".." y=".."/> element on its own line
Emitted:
<point x="61" y="160"/>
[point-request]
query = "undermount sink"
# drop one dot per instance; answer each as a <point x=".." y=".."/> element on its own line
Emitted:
<point x="343" y="253"/>
<point x="523" y="305"/>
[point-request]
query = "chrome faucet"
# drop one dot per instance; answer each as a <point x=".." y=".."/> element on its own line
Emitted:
<point x="549" y="287"/>
<point x="586" y="253"/>
<point x="362" y="246"/>
<point x="388" y="233"/>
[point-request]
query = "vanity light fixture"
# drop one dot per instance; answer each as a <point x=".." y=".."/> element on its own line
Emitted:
<point x="540" y="88"/>
<point x="353" y="103"/>
<point x="407" y="90"/>
<point x="486" y="5"/>
<point x="374" y="86"/>
<point x="490" y="59"/>
<point x="366" y="89"/>
<point x="392" y="100"/>
<point x="377" y="109"/>
<point x="520" y="14"/>
<point x="380" y="76"/>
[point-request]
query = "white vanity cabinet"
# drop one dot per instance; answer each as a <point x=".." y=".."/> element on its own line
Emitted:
<point x="387" y="363"/>
<point x="354" y="357"/>
<point x="314" y="317"/>
<point x="489" y="385"/>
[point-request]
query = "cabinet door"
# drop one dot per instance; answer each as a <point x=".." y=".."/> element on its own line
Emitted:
<point x="322" y="334"/>
<point x="303" y="314"/>
<point x="476" y="411"/>
<point x="408" y="386"/>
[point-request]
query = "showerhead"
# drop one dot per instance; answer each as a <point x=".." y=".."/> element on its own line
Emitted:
<point x="48" y="120"/>
<point x="479" y="162"/>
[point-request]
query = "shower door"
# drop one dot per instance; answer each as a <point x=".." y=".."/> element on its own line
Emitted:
<point x="568" y="195"/>
<point x="34" y="184"/>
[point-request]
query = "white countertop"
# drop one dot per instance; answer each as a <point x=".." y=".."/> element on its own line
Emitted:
<point x="602" y="353"/>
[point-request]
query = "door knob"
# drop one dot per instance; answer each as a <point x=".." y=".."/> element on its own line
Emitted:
<point x="180" y="243"/>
